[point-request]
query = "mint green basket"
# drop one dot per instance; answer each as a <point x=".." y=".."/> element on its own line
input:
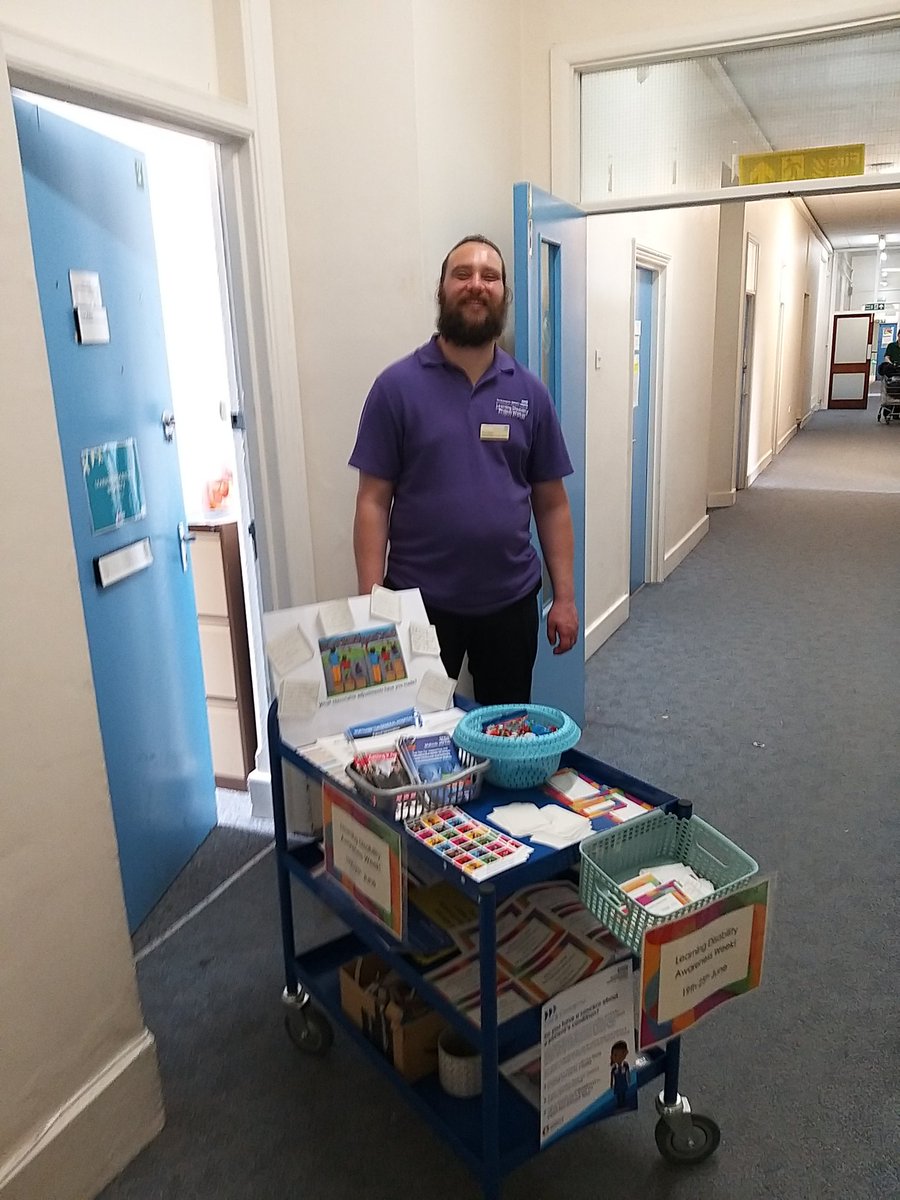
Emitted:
<point x="617" y="855"/>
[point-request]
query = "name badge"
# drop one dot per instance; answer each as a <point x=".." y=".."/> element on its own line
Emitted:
<point x="495" y="433"/>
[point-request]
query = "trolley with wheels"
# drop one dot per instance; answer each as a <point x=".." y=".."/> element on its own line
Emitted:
<point x="473" y="1127"/>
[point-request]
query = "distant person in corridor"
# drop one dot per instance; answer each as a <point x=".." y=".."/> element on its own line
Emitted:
<point x="458" y="445"/>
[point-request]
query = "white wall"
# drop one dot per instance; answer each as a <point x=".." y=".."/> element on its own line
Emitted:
<point x="70" y="1014"/>
<point x="690" y="238"/>
<point x="789" y="265"/>
<point x="80" y="1089"/>
<point x="399" y="137"/>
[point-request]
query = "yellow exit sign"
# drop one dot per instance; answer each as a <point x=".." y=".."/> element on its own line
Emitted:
<point x="820" y="162"/>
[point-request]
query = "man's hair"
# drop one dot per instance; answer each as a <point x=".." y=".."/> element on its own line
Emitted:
<point x="475" y="237"/>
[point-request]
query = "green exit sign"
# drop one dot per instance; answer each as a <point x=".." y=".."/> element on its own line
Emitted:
<point x="874" y="307"/>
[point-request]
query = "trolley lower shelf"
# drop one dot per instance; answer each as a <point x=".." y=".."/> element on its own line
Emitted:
<point x="458" y="1122"/>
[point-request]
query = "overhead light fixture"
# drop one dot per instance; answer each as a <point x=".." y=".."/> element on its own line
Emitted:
<point x="883" y="256"/>
<point x="882" y="241"/>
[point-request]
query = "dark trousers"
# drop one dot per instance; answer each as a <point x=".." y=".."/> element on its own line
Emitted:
<point x="501" y="646"/>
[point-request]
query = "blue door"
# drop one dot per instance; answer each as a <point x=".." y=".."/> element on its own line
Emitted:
<point x="89" y="212"/>
<point x="887" y="333"/>
<point x="551" y="340"/>
<point x="640" y="427"/>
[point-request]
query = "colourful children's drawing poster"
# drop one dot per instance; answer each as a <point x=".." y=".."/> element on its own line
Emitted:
<point x="690" y="965"/>
<point x="366" y="658"/>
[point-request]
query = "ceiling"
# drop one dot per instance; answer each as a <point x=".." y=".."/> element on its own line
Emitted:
<point x="854" y="219"/>
<point x="830" y="92"/>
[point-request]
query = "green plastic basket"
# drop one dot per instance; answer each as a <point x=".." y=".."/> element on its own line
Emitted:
<point x="517" y="762"/>
<point x="616" y="855"/>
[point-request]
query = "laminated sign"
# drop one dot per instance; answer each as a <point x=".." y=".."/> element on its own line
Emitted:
<point x="690" y="965"/>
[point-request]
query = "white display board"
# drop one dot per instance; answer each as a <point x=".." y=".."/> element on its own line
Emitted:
<point x="343" y="662"/>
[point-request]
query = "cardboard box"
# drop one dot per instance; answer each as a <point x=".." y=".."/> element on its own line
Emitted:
<point x="391" y="1016"/>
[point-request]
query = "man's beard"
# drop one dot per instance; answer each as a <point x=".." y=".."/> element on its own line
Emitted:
<point x="462" y="328"/>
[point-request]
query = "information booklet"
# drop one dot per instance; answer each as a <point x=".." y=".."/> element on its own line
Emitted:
<point x="430" y="757"/>
<point x="546" y="942"/>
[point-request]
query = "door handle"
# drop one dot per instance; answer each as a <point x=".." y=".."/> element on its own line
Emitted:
<point x="167" y="420"/>
<point x="183" y="538"/>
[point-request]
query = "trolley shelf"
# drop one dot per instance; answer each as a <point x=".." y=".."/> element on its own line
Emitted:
<point x="457" y="1121"/>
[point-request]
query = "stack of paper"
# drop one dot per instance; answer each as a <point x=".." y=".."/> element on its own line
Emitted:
<point x="666" y="887"/>
<point x="550" y="825"/>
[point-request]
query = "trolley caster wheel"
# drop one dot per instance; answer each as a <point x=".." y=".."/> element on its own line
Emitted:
<point x="688" y="1145"/>
<point x="309" y="1030"/>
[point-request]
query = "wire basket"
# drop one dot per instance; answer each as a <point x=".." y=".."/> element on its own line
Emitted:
<point x="517" y="762"/>
<point x="618" y="854"/>
<point x="409" y="801"/>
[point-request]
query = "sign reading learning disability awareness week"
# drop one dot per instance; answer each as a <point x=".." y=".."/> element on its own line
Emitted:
<point x="691" y="965"/>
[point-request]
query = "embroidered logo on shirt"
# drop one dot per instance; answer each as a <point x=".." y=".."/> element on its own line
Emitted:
<point x="512" y="408"/>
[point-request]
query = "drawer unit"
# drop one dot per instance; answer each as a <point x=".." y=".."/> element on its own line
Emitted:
<point x="225" y="650"/>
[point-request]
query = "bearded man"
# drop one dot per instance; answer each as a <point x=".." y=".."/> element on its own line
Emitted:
<point x="458" y="446"/>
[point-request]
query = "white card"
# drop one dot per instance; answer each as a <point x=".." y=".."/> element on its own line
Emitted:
<point x="335" y="617"/>
<point x="288" y="651"/>
<point x="435" y="692"/>
<point x="423" y="639"/>
<point x="386" y="604"/>
<point x="298" y="698"/>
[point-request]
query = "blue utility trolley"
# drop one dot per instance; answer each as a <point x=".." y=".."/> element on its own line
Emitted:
<point x="499" y="1130"/>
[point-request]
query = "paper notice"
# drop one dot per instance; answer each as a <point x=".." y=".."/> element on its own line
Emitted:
<point x="579" y="1028"/>
<point x="335" y="617"/>
<point x="423" y="639"/>
<point x="435" y="692"/>
<point x="386" y="604"/>
<point x="288" y="651"/>
<point x="84" y="287"/>
<point x="298" y="698"/>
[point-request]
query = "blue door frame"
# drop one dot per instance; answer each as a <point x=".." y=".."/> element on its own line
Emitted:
<point x="551" y="340"/>
<point x="640" y="430"/>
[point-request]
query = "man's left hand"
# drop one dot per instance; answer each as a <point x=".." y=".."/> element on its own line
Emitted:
<point x="562" y="625"/>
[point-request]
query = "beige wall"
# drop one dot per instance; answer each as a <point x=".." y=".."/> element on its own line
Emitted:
<point x="689" y="238"/>
<point x="80" y="1089"/>
<point x="68" y="1001"/>
<point x="726" y="377"/>
<point x="399" y="136"/>
<point x="789" y="266"/>
<point x="173" y="40"/>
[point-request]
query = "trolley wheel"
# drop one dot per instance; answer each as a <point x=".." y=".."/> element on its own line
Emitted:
<point x="686" y="1147"/>
<point x="309" y="1030"/>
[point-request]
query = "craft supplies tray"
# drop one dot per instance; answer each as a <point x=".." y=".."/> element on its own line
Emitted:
<point x="517" y="762"/>
<point x="609" y="857"/>
<point x="411" y="799"/>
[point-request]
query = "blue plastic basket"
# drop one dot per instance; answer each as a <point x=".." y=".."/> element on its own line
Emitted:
<point x="517" y="762"/>
<point x="610" y="857"/>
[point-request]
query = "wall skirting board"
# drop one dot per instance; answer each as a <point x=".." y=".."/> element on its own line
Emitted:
<point x="759" y="468"/>
<point x="95" y="1134"/>
<point x="721" y="499"/>
<point x="605" y="626"/>
<point x="783" y="441"/>
<point x="679" y="552"/>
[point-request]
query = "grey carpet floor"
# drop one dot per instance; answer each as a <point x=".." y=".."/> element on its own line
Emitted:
<point x="761" y="680"/>
<point x="224" y="851"/>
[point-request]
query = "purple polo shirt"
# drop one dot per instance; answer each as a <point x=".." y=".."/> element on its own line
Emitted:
<point x="460" y="524"/>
